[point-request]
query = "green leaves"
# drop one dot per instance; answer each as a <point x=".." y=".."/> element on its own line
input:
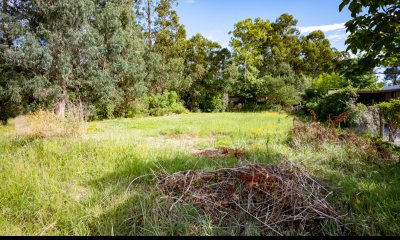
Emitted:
<point x="271" y="53"/>
<point x="374" y="31"/>
<point x="209" y="67"/>
<point x="84" y="50"/>
<point x="390" y="111"/>
<point x="343" y="4"/>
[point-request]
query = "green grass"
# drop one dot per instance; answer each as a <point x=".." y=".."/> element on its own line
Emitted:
<point x="73" y="186"/>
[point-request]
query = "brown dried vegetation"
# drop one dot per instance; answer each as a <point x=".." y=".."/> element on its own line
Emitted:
<point x="316" y="135"/>
<point x="278" y="200"/>
<point x="218" y="153"/>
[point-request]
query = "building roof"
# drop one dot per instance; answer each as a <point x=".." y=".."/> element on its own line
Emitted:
<point x="395" y="87"/>
<point x="386" y="90"/>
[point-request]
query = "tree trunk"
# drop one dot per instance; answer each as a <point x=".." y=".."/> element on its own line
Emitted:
<point x="226" y="101"/>
<point x="4" y="24"/>
<point x="149" y="22"/>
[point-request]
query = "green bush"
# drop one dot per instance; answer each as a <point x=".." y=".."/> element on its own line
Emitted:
<point x="254" y="107"/>
<point x="312" y="97"/>
<point x="335" y="104"/>
<point x="160" y="105"/>
<point x="104" y="111"/>
<point x="390" y="112"/>
<point x="278" y="91"/>
<point x="218" y="104"/>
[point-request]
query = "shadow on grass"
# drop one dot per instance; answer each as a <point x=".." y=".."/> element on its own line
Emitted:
<point x="143" y="211"/>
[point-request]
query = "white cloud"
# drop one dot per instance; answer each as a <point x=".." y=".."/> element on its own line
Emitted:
<point x="324" y="28"/>
<point x="339" y="35"/>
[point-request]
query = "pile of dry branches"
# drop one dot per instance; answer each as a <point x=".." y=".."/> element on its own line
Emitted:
<point x="278" y="200"/>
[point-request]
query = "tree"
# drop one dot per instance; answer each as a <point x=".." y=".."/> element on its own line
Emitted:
<point x="123" y="57"/>
<point x="374" y="30"/>
<point x="357" y="75"/>
<point x="145" y="11"/>
<point x="266" y="50"/>
<point x="392" y="74"/>
<point x="209" y="67"/>
<point x="317" y="54"/>
<point x="11" y="102"/>
<point x="166" y="44"/>
<point x="79" y="50"/>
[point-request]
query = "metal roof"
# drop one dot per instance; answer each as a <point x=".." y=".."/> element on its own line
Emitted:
<point x="396" y="87"/>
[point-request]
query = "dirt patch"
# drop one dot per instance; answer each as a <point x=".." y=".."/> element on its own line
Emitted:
<point x="77" y="192"/>
<point x="217" y="153"/>
<point x="179" y="136"/>
<point x="278" y="200"/>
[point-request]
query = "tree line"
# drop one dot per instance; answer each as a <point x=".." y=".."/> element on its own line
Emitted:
<point x="119" y="58"/>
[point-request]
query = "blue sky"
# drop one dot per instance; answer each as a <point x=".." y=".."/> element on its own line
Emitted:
<point x="215" y="18"/>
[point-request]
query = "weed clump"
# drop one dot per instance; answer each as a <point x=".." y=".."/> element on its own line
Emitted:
<point x="46" y="124"/>
<point x="310" y="133"/>
<point x="317" y="136"/>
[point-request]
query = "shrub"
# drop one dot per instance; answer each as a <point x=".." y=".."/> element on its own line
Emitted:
<point x="312" y="97"/>
<point x="213" y="103"/>
<point x="336" y="104"/>
<point x="160" y="105"/>
<point x="328" y="81"/>
<point x="317" y="137"/>
<point x="390" y="112"/>
<point x="278" y="92"/>
<point x="104" y="111"/>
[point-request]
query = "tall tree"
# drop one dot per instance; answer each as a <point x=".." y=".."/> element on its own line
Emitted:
<point x="211" y="72"/>
<point x="78" y="50"/>
<point x="316" y="53"/>
<point x="145" y="11"/>
<point x="13" y="100"/>
<point x="263" y="49"/>
<point x="392" y="74"/>
<point x="167" y="39"/>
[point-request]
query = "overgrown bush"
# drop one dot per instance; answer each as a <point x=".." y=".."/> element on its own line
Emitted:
<point x="319" y="88"/>
<point x="312" y="97"/>
<point x="212" y="103"/>
<point x="390" y="112"/>
<point x="166" y="103"/>
<point x="335" y="104"/>
<point x="365" y="119"/>
<point x="278" y="91"/>
<point x="104" y="111"/>
<point x="317" y="137"/>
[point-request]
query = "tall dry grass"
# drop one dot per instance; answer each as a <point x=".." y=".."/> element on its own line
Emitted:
<point x="46" y="124"/>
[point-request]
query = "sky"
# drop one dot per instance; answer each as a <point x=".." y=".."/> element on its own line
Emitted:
<point x="215" y="18"/>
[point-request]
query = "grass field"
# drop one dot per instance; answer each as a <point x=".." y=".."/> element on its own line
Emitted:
<point x="85" y="186"/>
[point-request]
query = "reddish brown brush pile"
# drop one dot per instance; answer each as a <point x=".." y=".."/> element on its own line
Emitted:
<point x="216" y="153"/>
<point x="277" y="200"/>
<point x="311" y="133"/>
